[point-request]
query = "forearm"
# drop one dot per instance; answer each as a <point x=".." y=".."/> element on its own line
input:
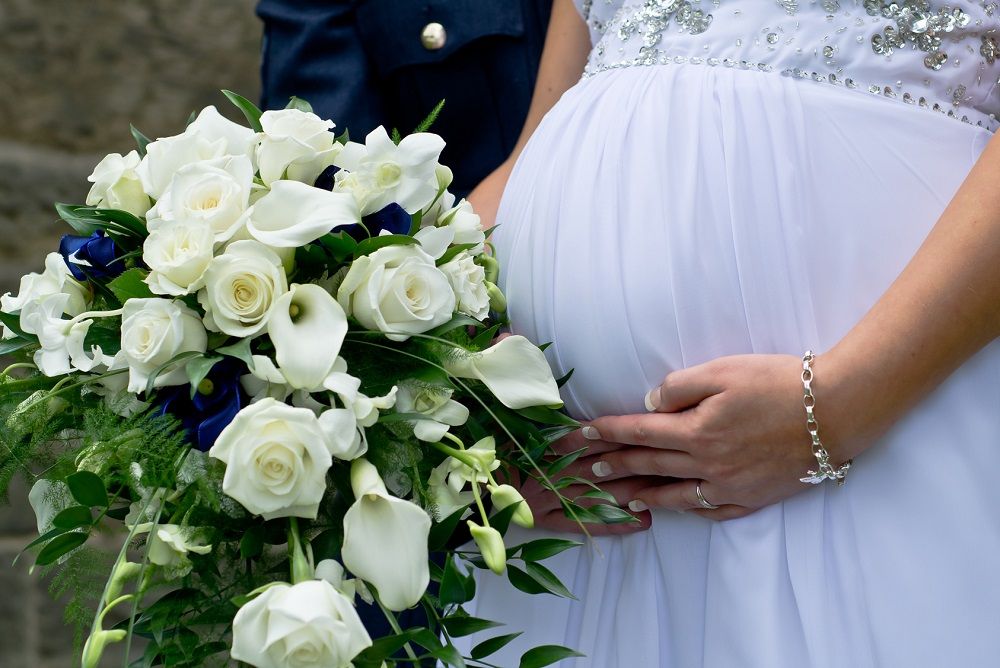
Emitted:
<point x="567" y="44"/>
<point x="942" y="309"/>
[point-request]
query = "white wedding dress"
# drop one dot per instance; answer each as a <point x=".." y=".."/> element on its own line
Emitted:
<point x="749" y="176"/>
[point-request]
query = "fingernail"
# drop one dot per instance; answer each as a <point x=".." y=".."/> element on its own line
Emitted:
<point x="652" y="399"/>
<point x="637" y="506"/>
<point x="601" y="469"/>
<point x="591" y="433"/>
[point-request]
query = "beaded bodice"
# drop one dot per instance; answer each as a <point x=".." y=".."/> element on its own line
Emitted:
<point x="941" y="56"/>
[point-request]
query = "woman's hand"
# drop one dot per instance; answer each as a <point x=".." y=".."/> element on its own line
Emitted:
<point x="736" y="424"/>
<point x="548" y="511"/>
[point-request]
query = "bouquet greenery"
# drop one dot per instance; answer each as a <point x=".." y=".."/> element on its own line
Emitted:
<point x="266" y="363"/>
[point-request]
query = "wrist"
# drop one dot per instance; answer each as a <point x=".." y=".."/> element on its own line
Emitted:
<point x="846" y="406"/>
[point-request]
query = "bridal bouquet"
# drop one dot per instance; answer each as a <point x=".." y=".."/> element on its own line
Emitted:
<point x="268" y="355"/>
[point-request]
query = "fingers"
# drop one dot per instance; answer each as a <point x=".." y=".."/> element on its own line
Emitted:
<point x="681" y="496"/>
<point x="549" y="512"/>
<point x="669" y="431"/>
<point x="629" y="461"/>
<point x="683" y="389"/>
<point x="587" y="437"/>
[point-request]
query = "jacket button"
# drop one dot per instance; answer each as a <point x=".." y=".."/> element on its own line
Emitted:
<point x="433" y="36"/>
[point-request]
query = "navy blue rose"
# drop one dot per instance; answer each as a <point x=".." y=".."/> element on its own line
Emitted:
<point x="96" y="256"/>
<point x="217" y="400"/>
<point x="393" y="219"/>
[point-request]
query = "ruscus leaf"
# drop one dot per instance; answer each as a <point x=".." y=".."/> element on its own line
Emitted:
<point x="88" y="489"/>
<point x="546" y="655"/>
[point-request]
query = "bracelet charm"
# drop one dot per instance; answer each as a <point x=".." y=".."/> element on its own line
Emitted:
<point x="824" y="470"/>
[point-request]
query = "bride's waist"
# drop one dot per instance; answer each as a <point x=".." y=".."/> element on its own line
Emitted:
<point x="902" y="84"/>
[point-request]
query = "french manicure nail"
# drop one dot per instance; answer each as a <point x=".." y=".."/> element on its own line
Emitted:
<point x="637" y="506"/>
<point x="591" y="433"/>
<point x="601" y="469"/>
<point x="652" y="399"/>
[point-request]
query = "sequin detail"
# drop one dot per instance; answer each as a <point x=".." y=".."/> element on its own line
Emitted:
<point x="941" y="55"/>
<point x="918" y="24"/>
<point x="652" y="19"/>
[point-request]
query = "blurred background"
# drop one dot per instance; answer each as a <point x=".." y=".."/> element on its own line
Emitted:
<point x="73" y="75"/>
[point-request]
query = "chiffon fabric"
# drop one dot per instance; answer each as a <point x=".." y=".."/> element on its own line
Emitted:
<point x="663" y="216"/>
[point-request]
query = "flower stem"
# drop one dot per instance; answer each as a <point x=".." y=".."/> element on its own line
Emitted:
<point x="300" y="570"/>
<point x="391" y="618"/>
<point x="457" y="454"/>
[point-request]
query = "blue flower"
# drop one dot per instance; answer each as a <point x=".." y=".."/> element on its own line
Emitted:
<point x="96" y="256"/>
<point x="215" y="403"/>
<point x="392" y="218"/>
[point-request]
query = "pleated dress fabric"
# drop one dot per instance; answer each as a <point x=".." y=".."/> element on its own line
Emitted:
<point x="663" y="216"/>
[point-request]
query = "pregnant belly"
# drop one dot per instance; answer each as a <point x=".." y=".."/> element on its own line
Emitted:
<point x="662" y="217"/>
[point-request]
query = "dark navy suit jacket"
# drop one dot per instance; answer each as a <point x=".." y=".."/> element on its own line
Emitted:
<point x="362" y="63"/>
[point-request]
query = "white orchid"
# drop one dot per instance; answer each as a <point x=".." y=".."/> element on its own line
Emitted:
<point x="56" y="279"/>
<point x="170" y="544"/>
<point x="515" y="371"/>
<point x="447" y="499"/>
<point x="380" y="173"/>
<point x="385" y="540"/>
<point x="293" y="214"/>
<point x="505" y="496"/>
<point x="436" y="404"/>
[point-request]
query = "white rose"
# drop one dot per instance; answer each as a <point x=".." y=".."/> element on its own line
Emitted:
<point x="56" y="279"/>
<point x="209" y="136"/>
<point x="468" y="280"/>
<point x="297" y="141"/>
<point x="276" y="459"/>
<point x="165" y="157"/>
<point x="241" y="286"/>
<point x="117" y="184"/>
<point x="216" y="192"/>
<point x="380" y="172"/>
<point x="178" y="254"/>
<point x="154" y="331"/>
<point x="397" y="290"/>
<point x="170" y="544"/>
<point x="298" y="626"/>
<point x="467" y="226"/>
<point x="434" y="402"/>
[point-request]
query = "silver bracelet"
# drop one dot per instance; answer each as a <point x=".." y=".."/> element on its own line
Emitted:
<point x="824" y="470"/>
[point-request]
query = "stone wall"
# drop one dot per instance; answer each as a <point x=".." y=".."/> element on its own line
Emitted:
<point x="73" y="75"/>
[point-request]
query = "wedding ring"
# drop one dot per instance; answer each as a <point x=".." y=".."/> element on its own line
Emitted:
<point x="702" y="500"/>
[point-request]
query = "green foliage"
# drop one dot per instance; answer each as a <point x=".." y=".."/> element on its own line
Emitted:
<point x="426" y="124"/>
<point x="79" y="580"/>
<point x="298" y="103"/>
<point x="249" y="109"/>
<point x="141" y="140"/>
<point x="131" y="285"/>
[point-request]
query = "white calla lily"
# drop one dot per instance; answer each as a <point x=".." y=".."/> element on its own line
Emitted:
<point x="307" y="326"/>
<point x="515" y="371"/>
<point x="294" y="214"/>
<point x="385" y="540"/>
